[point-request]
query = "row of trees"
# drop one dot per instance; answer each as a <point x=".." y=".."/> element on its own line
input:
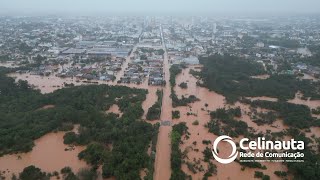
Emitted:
<point x="184" y="101"/>
<point x="294" y="115"/>
<point x="150" y="164"/>
<point x="178" y="131"/>
<point x="174" y="71"/>
<point x="154" y="111"/>
<point x="35" y="173"/>
<point x="151" y="50"/>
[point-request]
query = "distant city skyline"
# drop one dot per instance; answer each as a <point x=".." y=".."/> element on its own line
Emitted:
<point x="192" y="7"/>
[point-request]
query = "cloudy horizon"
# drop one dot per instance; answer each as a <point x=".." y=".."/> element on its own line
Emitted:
<point x="158" y="7"/>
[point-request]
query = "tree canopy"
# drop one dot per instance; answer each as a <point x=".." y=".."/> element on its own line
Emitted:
<point x="231" y="77"/>
<point x="22" y="120"/>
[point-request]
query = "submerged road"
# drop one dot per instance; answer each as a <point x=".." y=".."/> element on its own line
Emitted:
<point x="163" y="154"/>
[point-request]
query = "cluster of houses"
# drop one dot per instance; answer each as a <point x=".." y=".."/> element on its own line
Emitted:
<point x="146" y="64"/>
<point x="304" y="68"/>
<point x="104" y="71"/>
<point x="50" y="41"/>
<point x="22" y="39"/>
<point x="186" y="40"/>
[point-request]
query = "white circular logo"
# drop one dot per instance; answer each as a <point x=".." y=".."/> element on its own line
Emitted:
<point x="232" y="156"/>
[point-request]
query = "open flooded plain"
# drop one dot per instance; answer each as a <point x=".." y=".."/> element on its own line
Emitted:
<point x="49" y="154"/>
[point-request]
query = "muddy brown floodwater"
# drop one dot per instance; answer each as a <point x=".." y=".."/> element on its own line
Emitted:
<point x="198" y="133"/>
<point x="114" y="109"/>
<point x="150" y="100"/>
<point x="264" y="76"/>
<point x="46" y="84"/>
<point x="307" y="76"/>
<point x="9" y="64"/>
<point x="276" y="126"/>
<point x="263" y="98"/>
<point x="50" y="106"/>
<point x="48" y="154"/>
<point x="163" y="155"/>
<point x="313" y="104"/>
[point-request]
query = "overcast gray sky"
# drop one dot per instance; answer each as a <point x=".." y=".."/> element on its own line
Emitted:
<point x="159" y="6"/>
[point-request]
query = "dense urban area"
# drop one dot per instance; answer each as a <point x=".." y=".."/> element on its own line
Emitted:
<point x="144" y="97"/>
